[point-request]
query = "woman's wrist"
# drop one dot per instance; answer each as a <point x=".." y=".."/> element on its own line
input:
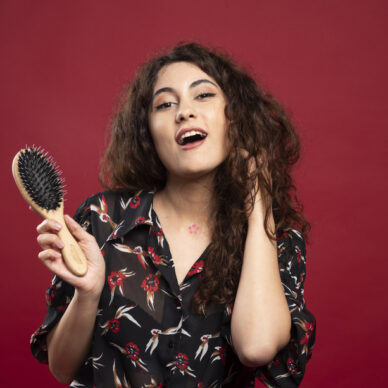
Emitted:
<point x="87" y="296"/>
<point x="257" y="217"/>
<point x="258" y="213"/>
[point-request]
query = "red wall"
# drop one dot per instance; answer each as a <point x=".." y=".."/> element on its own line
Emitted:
<point x="63" y="65"/>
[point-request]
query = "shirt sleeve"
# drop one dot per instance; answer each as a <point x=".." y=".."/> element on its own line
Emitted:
<point x="288" y="366"/>
<point x="58" y="297"/>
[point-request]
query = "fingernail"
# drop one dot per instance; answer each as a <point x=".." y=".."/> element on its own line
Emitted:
<point x="61" y="245"/>
<point x="58" y="226"/>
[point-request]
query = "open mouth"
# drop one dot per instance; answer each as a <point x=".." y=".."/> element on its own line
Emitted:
<point x="188" y="137"/>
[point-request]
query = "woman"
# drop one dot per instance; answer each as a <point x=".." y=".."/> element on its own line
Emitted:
<point x="195" y="276"/>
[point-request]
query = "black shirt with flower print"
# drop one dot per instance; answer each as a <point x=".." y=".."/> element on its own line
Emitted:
<point x="146" y="333"/>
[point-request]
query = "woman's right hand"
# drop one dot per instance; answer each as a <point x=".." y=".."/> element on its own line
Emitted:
<point x="90" y="285"/>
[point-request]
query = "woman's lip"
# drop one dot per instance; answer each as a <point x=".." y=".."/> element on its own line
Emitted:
<point x="190" y="146"/>
<point x="182" y="131"/>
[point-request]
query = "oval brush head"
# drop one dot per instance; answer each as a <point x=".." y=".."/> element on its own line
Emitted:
<point x="40" y="178"/>
<point x="39" y="183"/>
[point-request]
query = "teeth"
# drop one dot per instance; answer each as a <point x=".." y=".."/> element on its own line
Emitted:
<point x="191" y="133"/>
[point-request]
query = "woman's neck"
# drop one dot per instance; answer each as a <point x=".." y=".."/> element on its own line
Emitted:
<point x="186" y="202"/>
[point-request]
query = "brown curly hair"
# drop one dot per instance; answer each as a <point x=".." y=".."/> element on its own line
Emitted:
<point x="258" y="124"/>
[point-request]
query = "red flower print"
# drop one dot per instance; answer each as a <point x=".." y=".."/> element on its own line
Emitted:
<point x="139" y="220"/>
<point x="181" y="361"/>
<point x="309" y="330"/>
<point x="150" y="283"/>
<point x="132" y="351"/>
<point x="114" y="325"/>
<point x="291" y="365"/>
<point x="115" y="279"/>
<point x="158" y="232"/>
<point x="135" y="202"/>
<point x="196" y="268"/>
<point x="157" y="259"/>
<point x="50" y="294"/>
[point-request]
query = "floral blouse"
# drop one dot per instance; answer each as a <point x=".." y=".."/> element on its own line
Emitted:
<point x="146" y="333"/>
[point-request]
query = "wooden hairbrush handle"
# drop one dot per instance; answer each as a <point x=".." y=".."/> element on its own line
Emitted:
<point x="73" y="255"/>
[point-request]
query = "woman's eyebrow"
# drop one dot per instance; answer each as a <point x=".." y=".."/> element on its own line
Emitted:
<point x="200" y="81"/>
<point x="192" y="85"/>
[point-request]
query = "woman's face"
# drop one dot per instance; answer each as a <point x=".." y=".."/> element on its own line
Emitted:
<point x="187" y="120"/>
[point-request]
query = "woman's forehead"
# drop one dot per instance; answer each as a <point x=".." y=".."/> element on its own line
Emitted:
<point x="180" y="74"/>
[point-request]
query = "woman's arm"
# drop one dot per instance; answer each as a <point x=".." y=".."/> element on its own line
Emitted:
<point x="261" y="320"/>
<point x="69" y="341"/>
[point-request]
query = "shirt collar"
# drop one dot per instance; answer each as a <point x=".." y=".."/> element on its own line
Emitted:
<point x="138" y="211"/>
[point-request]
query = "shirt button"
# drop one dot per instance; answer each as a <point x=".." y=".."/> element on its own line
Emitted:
<point x="171" y="344"/>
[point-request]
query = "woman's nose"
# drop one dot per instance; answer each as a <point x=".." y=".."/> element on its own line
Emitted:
<point x="184" y="113"/>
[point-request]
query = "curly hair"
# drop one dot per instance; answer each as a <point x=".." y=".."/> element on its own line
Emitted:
<point x="258" y="125"/>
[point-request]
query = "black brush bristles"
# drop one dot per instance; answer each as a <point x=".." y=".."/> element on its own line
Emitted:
<point x="40" y="178"/>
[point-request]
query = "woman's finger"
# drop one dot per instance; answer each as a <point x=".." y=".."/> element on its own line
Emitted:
<point x="49" y="255"/>
<point x="49" y="240"/>
<point x="48" y="226"/>
<point x="76" y="230"/>
<point x="54" y="262"/>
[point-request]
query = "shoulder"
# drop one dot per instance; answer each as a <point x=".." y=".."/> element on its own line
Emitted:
<point x="105" y="201"/>
<point x="107" y="197"/>
<point x="101" y="214"/>
<point x="104" y="206"/>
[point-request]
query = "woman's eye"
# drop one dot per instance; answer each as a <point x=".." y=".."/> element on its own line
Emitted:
<point x="163" y="106"/>
<point x="205" y="95"/>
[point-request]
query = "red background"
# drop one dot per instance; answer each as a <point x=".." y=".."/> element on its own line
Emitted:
<point x="63" y="66"/>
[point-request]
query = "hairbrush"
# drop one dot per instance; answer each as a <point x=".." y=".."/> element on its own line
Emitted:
<point x="38" y="180"/>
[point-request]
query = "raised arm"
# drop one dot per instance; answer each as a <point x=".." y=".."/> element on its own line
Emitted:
<point x="261" y="318"/>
